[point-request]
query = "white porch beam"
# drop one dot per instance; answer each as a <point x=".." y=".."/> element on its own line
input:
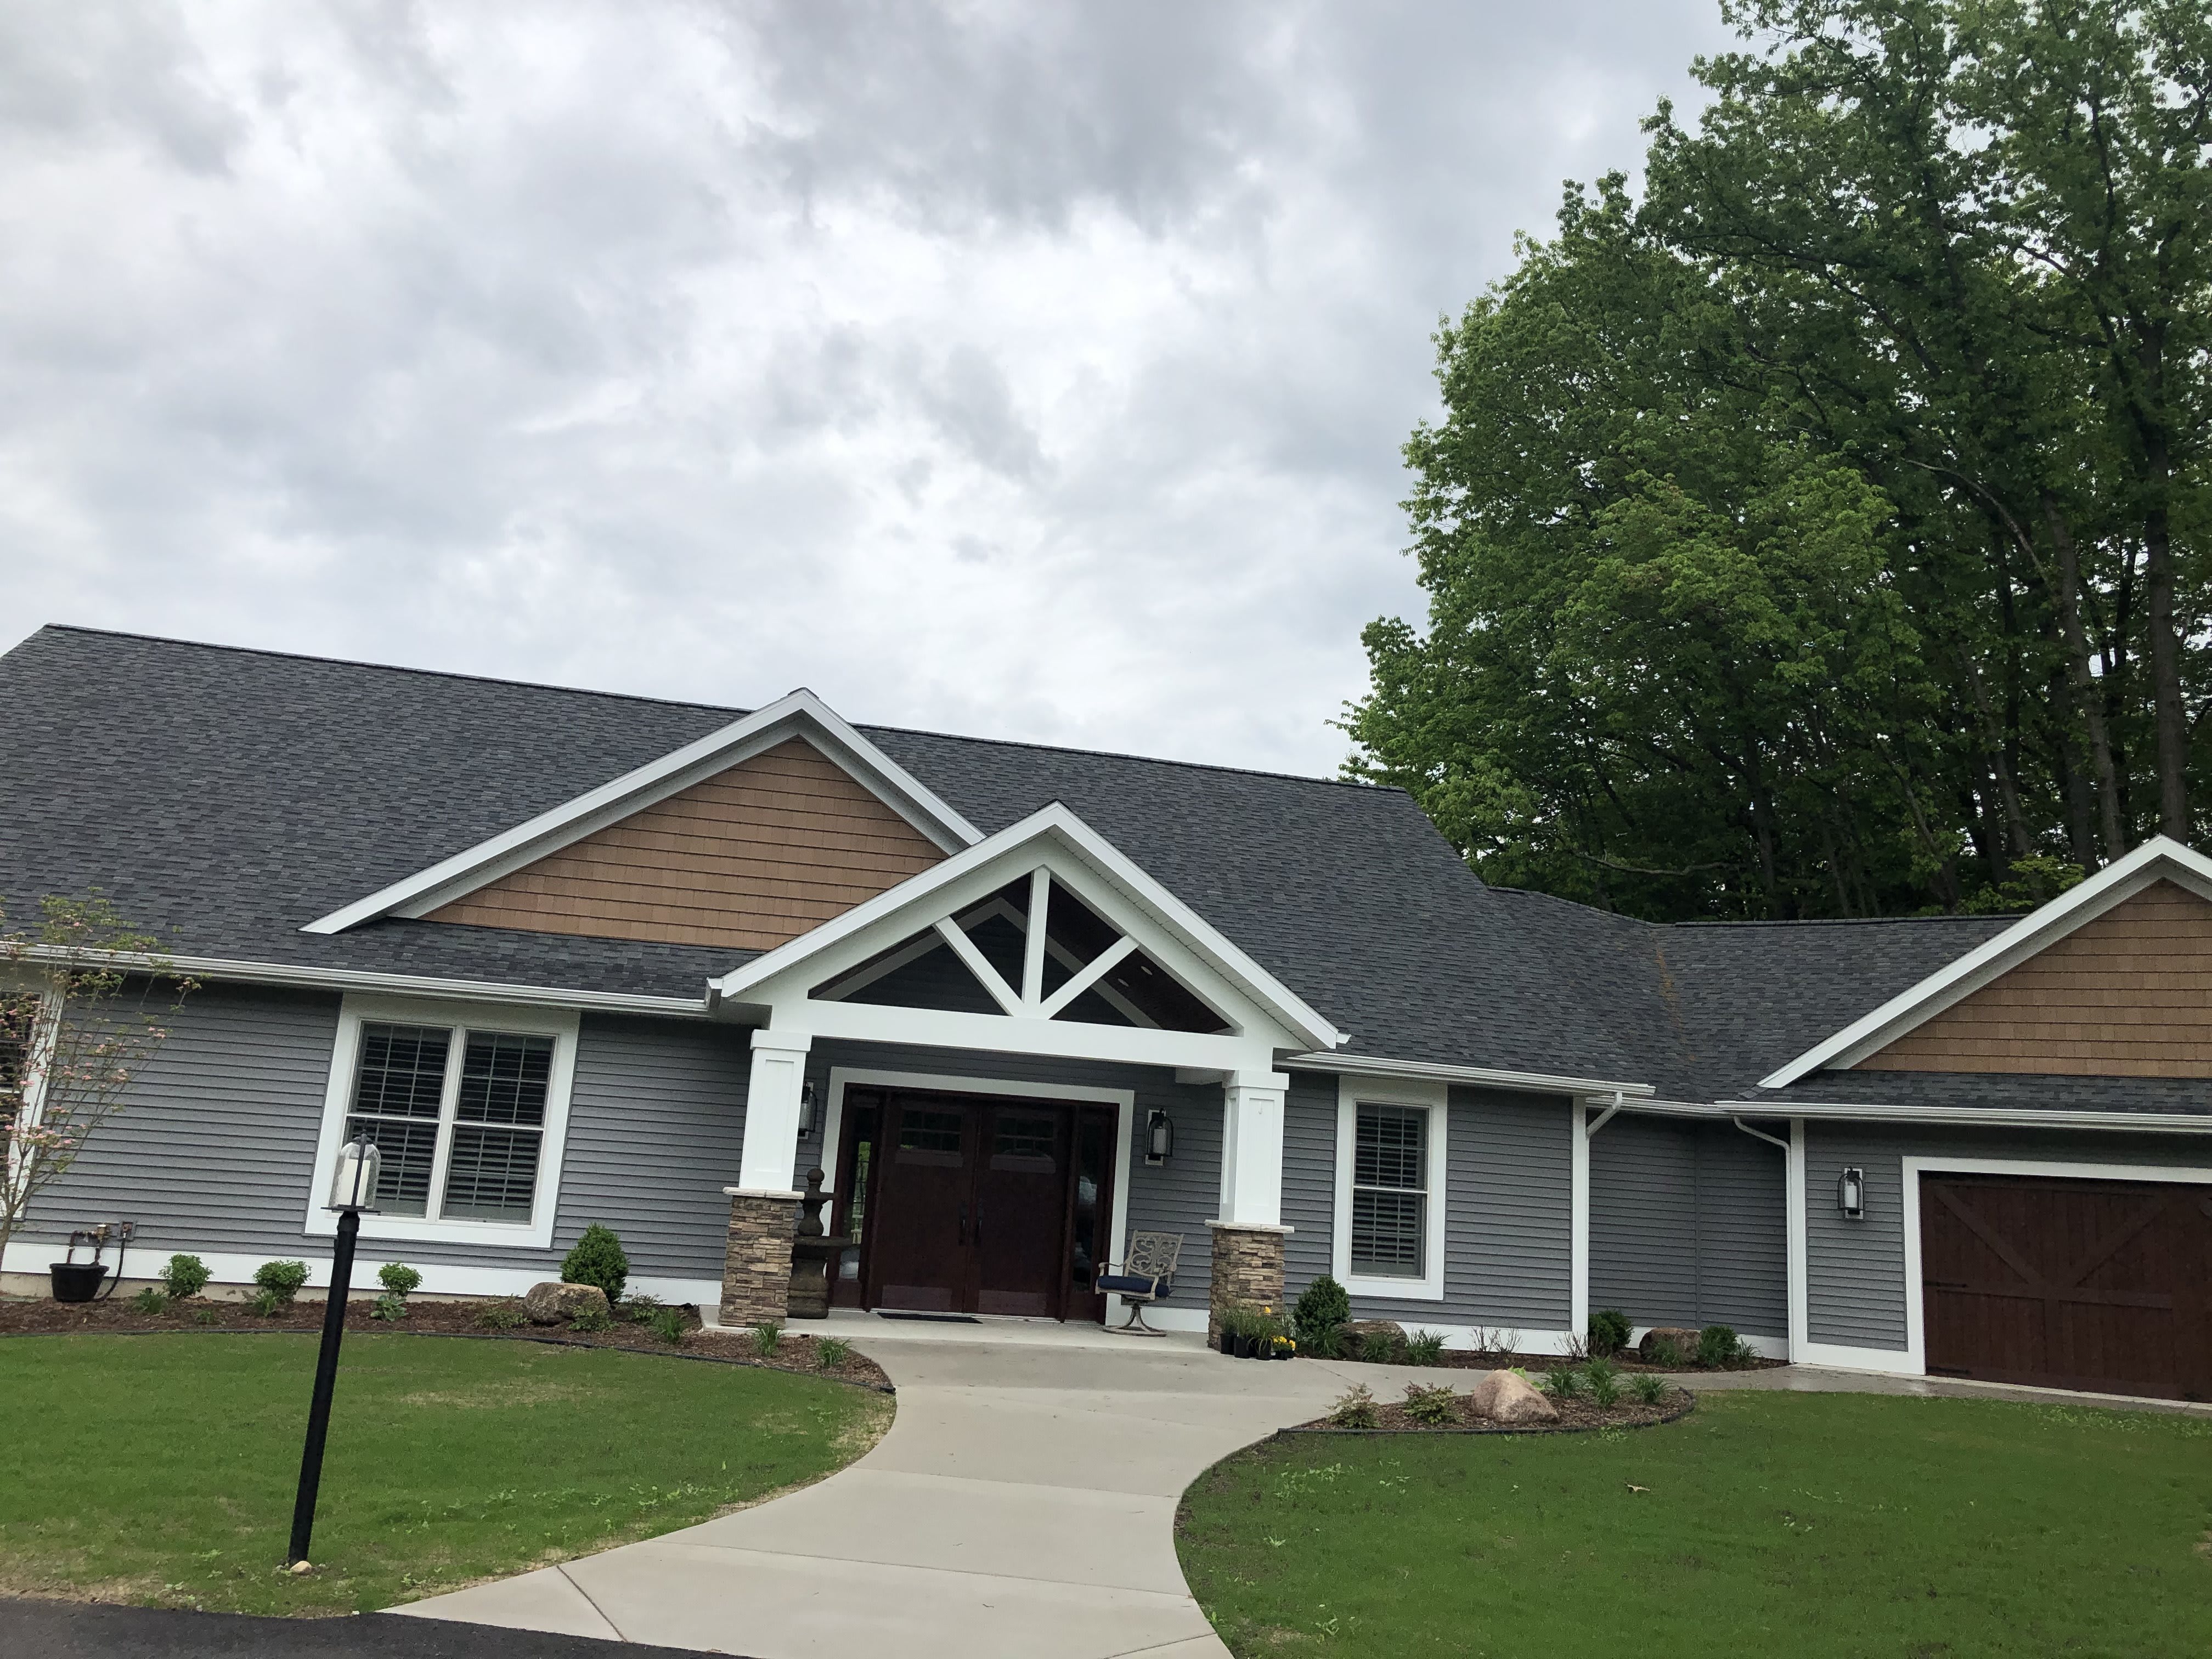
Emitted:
<point x="1252" y="1148"/>
<point x="980" y="965"/>
<point x="932" y="1028"/>
<point x="1033" y="943"/>
<point x="771" y="1143"/>
<point x="1091" y="972"/>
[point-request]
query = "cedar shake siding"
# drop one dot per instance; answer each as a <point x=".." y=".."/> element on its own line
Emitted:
<point x="2129" y="994"/>
<point x="749" y="859"/>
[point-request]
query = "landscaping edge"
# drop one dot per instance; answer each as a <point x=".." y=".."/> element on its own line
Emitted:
<point x="1689" y="1404"/>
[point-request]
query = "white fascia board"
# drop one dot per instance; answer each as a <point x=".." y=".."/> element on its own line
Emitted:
<point x="932" y="1028"/>
<point x="1477" y="1076"/>
<point x="799" y="715"/>
<point x="1181" y="926"/>
<point x="2158" y="859"/>
<point x="232" y="970"/>
<point x="2001" y="1117"/>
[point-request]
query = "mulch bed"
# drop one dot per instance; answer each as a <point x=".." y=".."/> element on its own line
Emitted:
<point x="425" y="1316"/>
<point x="1469" y="1360"/>
<point x="1576" y="1416"/>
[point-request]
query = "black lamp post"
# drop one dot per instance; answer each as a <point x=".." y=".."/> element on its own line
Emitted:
<point x="353" y="1191"/>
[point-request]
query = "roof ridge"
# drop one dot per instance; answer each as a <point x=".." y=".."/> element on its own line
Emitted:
<point x="703" y="708"/>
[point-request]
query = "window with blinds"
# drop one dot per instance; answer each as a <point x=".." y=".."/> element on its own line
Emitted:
<point x="1391" y="1192"/>
<point x="459" y="1116"/>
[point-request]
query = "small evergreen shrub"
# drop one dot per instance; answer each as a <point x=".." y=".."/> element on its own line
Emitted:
<point x="1425" y="1348"/>
<point x="504" y="1315"/>
<point x="391" y="1307"/>
<point x="151" y="1300"/>
<point x="1562" y="1384"/>
<point x="281" y="1279"/>
<point x="1604" y="1379"/>
<point x="591" y="1321"/>
<point x="1716" y="1345"/>
<point x="1608" y="1333"/>
<point x="185" y="1276"/>
<point x="667" y="1324"/>
<point x="1354" y="1408"/>
<point x="400" y="1279"/>
<point x="831" y="1352"/>
<point x="1434" y="1408"/>
<point x="1319" y="1314"/>
<point x="597" y="1259"/>
<point x="767" y="1337"/>
<point x="1648" y="1388"/>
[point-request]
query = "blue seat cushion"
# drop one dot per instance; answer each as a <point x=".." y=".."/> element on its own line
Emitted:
<point x="1125" y="1284"/>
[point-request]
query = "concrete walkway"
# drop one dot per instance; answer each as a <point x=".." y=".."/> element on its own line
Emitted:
<point x="1021" y="1507"/>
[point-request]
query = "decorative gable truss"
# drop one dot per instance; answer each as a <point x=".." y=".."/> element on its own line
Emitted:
<point x="1044" y="939"/>
<point x="744" y="839"/>
<point x="2112" y="979"/>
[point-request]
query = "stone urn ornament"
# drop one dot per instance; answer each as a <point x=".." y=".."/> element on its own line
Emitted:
<point x="813" y="1255"/>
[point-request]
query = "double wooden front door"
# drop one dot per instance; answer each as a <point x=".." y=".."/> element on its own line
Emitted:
<point x="2068" y="1283"/>
<point x="982" y="1205"/>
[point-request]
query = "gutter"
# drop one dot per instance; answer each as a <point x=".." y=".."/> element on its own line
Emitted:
<point x="1534" y="1082"/>
<point x="233" y="972"/>
<point x="2004" y="1117"/>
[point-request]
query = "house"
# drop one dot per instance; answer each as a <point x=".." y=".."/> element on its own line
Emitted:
<point x="570" y="958"/>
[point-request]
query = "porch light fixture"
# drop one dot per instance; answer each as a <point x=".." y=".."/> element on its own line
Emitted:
<point x="353" y="1189"/>
<point x="1159" y="1138"/>
<point x="1850" y="1193"/>
<point x="806" y="1116"/>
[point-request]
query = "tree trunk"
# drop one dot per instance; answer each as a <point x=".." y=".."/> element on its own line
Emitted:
<point x="2172" y="722"/>
<point x="2089" y="696"/>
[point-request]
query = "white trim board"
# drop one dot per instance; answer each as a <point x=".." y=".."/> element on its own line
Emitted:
<point x="1435" y="1099"/>
<point x="833" y="1129"/>
<point x="2157" y="860"/>
<point x="1472" y="1076"/>
<point x="1915" y="1165"/>
<point x="801" y="715"/>
<point x="2007" y="1117"/>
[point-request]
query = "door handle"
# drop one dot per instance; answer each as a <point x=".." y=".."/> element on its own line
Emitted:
<point x="963" y="1223"/>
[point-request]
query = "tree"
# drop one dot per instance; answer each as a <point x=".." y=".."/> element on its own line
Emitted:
<point x="83" y="1003"/>
<point x="1901" y="363"/>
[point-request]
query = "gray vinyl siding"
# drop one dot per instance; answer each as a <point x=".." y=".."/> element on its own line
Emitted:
<point x="1179" y="1196"/>
<point x="1687" y="1225"/>
<point x="1855" y="1270"/>
<point x="1509" y="1217"/>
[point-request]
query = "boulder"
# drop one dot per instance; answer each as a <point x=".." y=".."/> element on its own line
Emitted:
<point x="1685" y="1341"/>
<point x="552" y="1302"/>
<point x="1376" y="1327"/>
<point x="1507" y="1397"/>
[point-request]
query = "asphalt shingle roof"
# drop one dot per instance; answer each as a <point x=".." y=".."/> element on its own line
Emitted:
<point x="224" y="797"/>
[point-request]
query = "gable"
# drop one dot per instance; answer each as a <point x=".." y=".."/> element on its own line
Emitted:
<point x="2128" y="993"/>
<point x="749" y="858"/>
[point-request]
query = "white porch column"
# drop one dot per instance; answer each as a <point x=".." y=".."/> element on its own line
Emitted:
<point x="1252" y="1149"/>
<point x="771" y="1148"/>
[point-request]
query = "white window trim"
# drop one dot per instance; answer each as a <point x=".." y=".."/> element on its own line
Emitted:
<point x="1435" y="1098"/>
<point x="536" y="1233"/>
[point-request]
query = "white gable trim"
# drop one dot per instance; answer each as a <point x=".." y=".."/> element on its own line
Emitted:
<point x="801" y="714"/>
<point x="1183" y="942"/>
<point x="2157" y="859"/>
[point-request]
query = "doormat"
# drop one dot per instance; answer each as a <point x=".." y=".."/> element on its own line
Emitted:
<point x="938" y="1318"/>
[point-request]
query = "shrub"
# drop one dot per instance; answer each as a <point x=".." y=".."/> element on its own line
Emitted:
<point x="1321" y="1310"/>
<point x="1354" y="1408"/>
<point x="281" y="1279"/>
<point x="390" y="1307"/>
<point x="1425" y="1348"/>
<point x="638" y="1308"/>
<point x="597" y="1259"/>
<point x="1666" y="1353"/>
<point x="268" y="1302"/>
<point x="1498" y="1343"/>
<point x="400" y="1279"/>
<point x="1604" y="1379"/>
<point x="504" y="1315"/>
<point x="207" y="1316"/>
<point x="667" y="1324"/>
<point x="591" y="1321"/>
<point x="831" y="1352"/>
<point x="150" y="1301"/>
<point x="1562" y="1382"/>
<point x="1434" y="1406"/>
<point x="185" y="1276"/>
<point x="1716" y="1345"/>
<point x="1648" y="1388"/>
<point x="767" y="1337"/>
<point x="1608" y="1333"/>
<point x="1382" y="1348"/>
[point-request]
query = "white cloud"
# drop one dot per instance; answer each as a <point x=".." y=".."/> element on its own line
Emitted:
<point x="1030" y="371"/>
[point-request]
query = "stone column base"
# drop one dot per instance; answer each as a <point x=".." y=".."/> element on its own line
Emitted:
<point x="1247" y="1266"/>
<point x="757" y="1261"/>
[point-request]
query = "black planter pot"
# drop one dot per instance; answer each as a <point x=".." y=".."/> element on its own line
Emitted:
<point x="76" y="1281"/>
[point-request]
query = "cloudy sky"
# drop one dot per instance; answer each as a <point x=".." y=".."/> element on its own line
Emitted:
<point x="1034" y="371"/>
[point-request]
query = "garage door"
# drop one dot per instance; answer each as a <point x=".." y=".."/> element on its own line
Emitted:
<point x="2097" y="1284"/>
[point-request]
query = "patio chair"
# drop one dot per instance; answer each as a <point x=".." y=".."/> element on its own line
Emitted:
<point x="1145" y="1277"/>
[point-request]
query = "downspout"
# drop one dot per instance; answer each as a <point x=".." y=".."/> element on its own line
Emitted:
<point x="1606" y="1116"/>
<point x="1579" y="1241"/>
<point x="1757" y="1134"/>
<point x="1793" y="1212"/>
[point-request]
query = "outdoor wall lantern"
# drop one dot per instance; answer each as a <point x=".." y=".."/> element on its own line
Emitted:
<point x="807" y="1122"/>
<point x="353" y="1189"/>
<point x="1159" y="1138"/>
<point x="1851" y="1194"/>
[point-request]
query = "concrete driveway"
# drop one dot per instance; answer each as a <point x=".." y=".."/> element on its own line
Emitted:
<point x="1021" y="1507"/>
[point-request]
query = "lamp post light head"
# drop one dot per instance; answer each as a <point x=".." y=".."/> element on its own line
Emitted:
<point x="354" y="1186"/>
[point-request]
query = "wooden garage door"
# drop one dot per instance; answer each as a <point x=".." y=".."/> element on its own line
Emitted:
<point x="2095" y="1285"/>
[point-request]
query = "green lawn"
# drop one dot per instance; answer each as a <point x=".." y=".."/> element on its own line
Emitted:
<point x="1774" y="1523"/>
<point x="160" y="1469"/>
